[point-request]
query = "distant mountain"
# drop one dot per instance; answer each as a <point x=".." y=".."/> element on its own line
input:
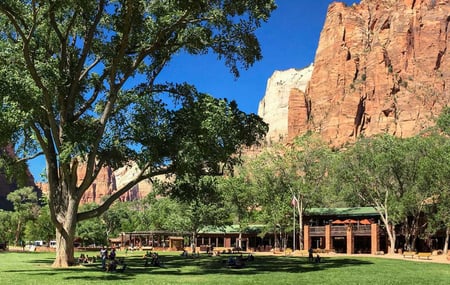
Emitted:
<point x="109" y="181"/>
<point x="7" y="186"/>
<point x="381" y="66"/>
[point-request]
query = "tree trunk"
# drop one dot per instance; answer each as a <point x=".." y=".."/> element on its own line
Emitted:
<point x="18" y="232"/>
<point x="391" y="235"/>
<point x="65" y="235"/>
<point x="300" y="222"/>
<point x="64" y="250"/>
<point x="64" y="206"/>
<point x="447" y="237"/>
<point x="194" y="237"/>
<point x="239" y="244"/>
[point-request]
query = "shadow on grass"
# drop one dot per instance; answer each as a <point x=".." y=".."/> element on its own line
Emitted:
<point x="180" y="266"/>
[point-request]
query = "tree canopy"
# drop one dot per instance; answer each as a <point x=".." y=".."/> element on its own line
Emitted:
<point x="79" y="84"/>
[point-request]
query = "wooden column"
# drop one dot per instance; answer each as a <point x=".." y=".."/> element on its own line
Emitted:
<point x="327" y="237"/>
<point x="374" y="239"/>
<point x="350" y="241"/>
<point x="306" y="238"/>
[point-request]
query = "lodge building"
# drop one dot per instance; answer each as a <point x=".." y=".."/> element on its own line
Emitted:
<point x="344" y="230"/>
<point x="340" y="230"/>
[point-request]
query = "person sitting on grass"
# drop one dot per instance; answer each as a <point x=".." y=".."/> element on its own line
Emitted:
<point x="111" y="266"/>
<point x="82" y="259"/>
<point x="239" y="262"/>
<point x="231" y="261"/>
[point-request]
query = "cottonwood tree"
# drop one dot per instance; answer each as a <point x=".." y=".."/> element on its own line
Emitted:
<point x="265" y="175"/>
<point x="378" y="172"/>
<point x="241" y="201"/>
<point x="40" y="227"/>
<point x="305" y="166"/>
<point x="25" y="202"/>
<point x="438" y="168"/>
<point x="436" y="178"/>
<point x="290" y="175"/>
<point x="199" y="202"/>
<point x="79" y="83"/>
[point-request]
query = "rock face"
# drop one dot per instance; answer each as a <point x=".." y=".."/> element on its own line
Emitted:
<point x="109" y="181"/>
<point x="7" y="187"/>
<point x="284" y="93"/>
<point x="381" y="66"/>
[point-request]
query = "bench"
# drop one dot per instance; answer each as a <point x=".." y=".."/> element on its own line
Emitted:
<point x="424" y="255"/>
<point x="409" y="254"/>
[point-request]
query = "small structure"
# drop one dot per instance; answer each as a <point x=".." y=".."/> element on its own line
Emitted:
<point x="176" y="243"/>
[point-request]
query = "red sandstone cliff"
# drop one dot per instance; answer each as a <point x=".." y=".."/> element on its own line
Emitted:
<point x="382" y="66"/>
<point x="107" y="182"/>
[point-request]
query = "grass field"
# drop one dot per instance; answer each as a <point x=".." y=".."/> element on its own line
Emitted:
<point x="35" y="268"/>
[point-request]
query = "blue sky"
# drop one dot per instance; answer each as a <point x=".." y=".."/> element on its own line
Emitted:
<point x="288" y="40"/>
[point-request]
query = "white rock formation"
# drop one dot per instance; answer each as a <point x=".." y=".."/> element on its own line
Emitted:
<point x="273" y="108"/>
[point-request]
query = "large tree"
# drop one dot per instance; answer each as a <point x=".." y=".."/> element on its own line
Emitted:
<point x="384" y="172"/>
<point x="26" y="208"/>
<point x="305" y="166"/>
<point x="241" y="201"/>
<point x="79" y="83"/>
<point x="201" y="202"/>
<point x="266" y="174"/>
<point x="366" y="173"/>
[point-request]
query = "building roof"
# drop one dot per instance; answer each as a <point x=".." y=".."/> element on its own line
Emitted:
<point x="230" y="229"/>
<point x="342" y="212"/>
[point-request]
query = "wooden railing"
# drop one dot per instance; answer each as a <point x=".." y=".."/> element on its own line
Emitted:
<point x="317" y="230"/>
<point x="362" y="229"/>
<point x="340" y="230"/>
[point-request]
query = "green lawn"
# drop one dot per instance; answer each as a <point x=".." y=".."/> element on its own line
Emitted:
<point x="35" y="268"/>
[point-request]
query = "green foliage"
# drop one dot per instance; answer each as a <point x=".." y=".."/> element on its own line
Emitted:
<point x="7" y="232"/>
<point x="170" y="215"/>
<point x="92" y="231"/>
<point x="80" y="83"/>
<point x="40" y="228"/>
<point x="26" y="208"/>
<point x="443" y="121"/>
<point x="201" y="201"/>
<point x="241" y="198"/>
